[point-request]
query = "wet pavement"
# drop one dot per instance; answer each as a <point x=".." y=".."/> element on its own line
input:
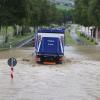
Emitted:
<point x="75" y="37"/>
<point x="77" y="79"/>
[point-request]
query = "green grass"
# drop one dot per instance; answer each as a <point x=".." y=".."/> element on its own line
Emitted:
<point x="18" y="39"/>
<point x="15" y="40"/>
<point x="88" y="41"/>
<point x="9" y="30"/>
<point x="69" y="39"/>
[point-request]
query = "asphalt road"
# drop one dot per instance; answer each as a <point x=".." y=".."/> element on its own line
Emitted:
<point x="75" y="36"/>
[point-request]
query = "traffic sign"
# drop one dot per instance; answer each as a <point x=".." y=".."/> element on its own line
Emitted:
<point x="12" y="62"/>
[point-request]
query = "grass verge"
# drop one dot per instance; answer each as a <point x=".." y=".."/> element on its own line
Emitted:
<point x="14" y="41"/>
<point x="87" y="40"/>
<point x="69" y="39"/>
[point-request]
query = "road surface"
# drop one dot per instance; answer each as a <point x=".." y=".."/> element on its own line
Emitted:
<point x="75" y="37"/>
<point x="77" y="79"/>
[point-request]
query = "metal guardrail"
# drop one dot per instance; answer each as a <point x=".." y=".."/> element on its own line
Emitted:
<point x="25" y="42"/>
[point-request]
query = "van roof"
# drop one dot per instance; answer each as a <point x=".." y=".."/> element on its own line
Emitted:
<point x="51" y="30"/>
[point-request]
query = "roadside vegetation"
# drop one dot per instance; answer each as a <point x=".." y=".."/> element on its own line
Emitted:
<point x="18" y="16"/>
<point x="87" y="40"/>
<point x="63" y="7"/>
<point x="87" y="13"/>
<point x="69" y="40"/>
<point x="64" y="4"/>
<point x="15" y="41"/>
<point x="8" y="39"/>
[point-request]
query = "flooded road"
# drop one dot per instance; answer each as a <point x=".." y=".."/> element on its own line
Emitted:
<point x="92" y="51"/>
<point x="77" y="79"/>
<point x="17" y="53"/>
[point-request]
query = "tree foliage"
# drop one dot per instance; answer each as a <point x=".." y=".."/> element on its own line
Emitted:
<point x="87" y="12"/>
<point x="94" y="12"/>
<point x="29" y="12"/>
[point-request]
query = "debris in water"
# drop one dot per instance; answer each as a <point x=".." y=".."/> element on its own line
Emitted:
<point x="27" y="60"/>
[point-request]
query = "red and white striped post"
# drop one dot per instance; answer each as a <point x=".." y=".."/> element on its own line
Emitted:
<point x="12" y="72"/>
<point x="12" y="62"/>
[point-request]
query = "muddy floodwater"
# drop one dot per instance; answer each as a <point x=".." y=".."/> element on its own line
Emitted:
<point x="92" y="51"/>
<point x="17" y="53"/>
<point x="78" y="78"/>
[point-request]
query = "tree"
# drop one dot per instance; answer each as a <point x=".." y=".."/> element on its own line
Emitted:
<point x="94" y="15"/>
<point x="30" y="12"/>
<point x="81" y="12"/>
<point x="87" y="13"/>
<point x="94" y="12"/>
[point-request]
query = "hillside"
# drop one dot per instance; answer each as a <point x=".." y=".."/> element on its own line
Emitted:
<point x="64" y="4"/>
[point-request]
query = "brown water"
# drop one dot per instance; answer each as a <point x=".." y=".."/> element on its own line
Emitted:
<point x="17" y="53"/>
<point x="77" y="80"/>
<point x="91" y="51"/>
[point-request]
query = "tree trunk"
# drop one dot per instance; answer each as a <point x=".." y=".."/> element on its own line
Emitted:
<point x="92" y="33"/>
<point x="85" y="32"/>
<point x="96" y="35"/>
<point x="88" y="33"/>
<point x="15" y="33"/>
<point x="0" y="29"/>
<point x="35" y="29"/>
<point x="23" y="30"/>
<point x="6" y="37"/>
